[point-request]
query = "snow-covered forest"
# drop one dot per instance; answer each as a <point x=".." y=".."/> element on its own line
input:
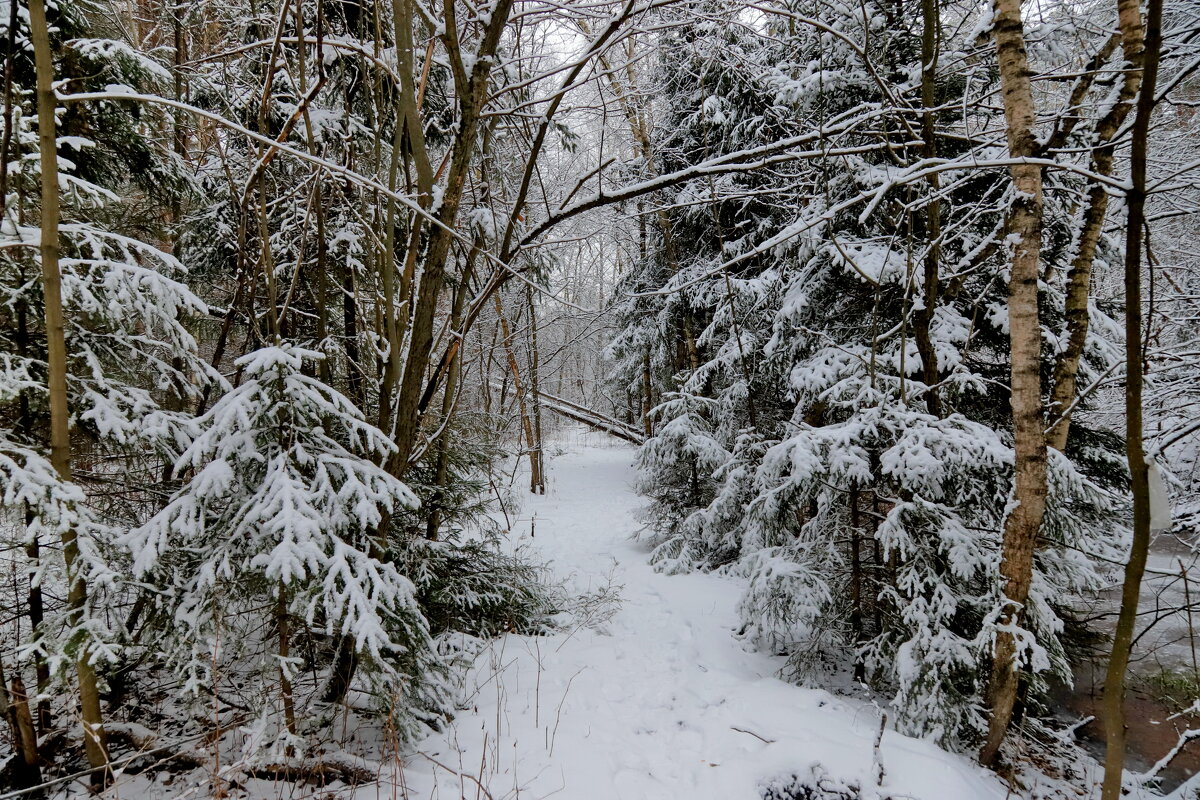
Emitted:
<point x="635" y="399"/>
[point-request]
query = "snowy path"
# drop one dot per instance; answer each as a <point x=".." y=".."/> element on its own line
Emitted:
<point x="658" y="702"/>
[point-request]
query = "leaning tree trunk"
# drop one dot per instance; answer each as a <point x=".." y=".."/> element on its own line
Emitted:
<point x="1113" y="705"/>
<point x="1025" y="336"/>
<point x="1063" y="389"/>
<point x="449" y="399"/>
<point x="472" y="89"/>
<point x="56" y="358"/>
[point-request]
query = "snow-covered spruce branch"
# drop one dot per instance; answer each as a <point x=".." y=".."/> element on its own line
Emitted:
<point x="120" y="94"/>
<point x="325" y="164"/>
<point x="746" y="160"/>
<point x="917" y="172"/>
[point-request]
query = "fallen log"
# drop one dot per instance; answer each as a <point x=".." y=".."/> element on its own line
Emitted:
<point x="603" y="425"/>
<point x="575" y="412"/>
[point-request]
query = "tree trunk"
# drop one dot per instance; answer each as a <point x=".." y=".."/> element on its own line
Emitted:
<point x="27" y="743"/>
<point x="322" y="266"/>
<point x="1025" y="336"/>
<point x="6" y="137"/>
<point x="60" y="438"/>
<point x="1113" y="704"/>
<point x="354" y="371"/>
<point x="1079" y="279"/>
<point x="538" y="487"/>
<point x="519" y="392"/>
<point x="442" y="469"/>
<point x="33" y="550"/>
<point x="37" y="614"/>
<point x="285" y="682"/>
<point x="856" y="610"/>
<point x="923" y="318"/>
<point x="473" y="92"/>
<point x="26" y="770"/>
<point x="647" y="396"/>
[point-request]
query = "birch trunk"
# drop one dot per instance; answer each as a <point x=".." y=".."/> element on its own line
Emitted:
<point x="1079" y="279"/>
<point x="1025" y="336"/>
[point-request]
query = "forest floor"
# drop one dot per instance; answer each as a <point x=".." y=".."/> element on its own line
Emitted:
<point x="658" y="700"/>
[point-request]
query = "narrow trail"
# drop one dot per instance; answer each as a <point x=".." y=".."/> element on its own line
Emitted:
<point x="658" y="702"/>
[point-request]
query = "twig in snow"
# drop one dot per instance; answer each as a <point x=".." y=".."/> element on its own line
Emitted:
<point x="1194" y="708"/>
<point x="461" y="775"/>
<point x="880" y="772"/>
<point x="752" y="733"/>
<point x="537" y="687"/>
<point x="558" y="713"/>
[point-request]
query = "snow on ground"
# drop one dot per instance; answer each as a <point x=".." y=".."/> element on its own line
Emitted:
<point x="658" y="702"/>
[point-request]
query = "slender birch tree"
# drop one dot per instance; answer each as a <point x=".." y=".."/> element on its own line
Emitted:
<point x="1024" y="240"/>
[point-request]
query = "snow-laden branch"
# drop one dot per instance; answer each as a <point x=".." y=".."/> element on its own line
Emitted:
<point x="918" y="171"/>
<point x="122" y="94"/>
<point x="353" y="176"/>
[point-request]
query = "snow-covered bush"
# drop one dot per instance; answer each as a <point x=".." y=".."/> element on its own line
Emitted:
<point x="474" y="586"/>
